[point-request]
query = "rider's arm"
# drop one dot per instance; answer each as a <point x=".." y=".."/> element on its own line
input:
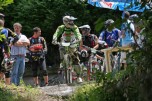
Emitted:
<point x="6" y="46"/>
<point x="58" y="32"/>
<point x="96" y="46"/>
<point x="99" y="57"/>
<point x="4" y="35"/>
<point x="45" y="46"/>
<point x="81" y="45"/>
<point x="12" y="33"/>
<point x="96" y="42"/>
<point x="101" y="37"/>
<point x="77" y="33"/>
<point x="122" y="33"/>
<point x="21" y="43"/>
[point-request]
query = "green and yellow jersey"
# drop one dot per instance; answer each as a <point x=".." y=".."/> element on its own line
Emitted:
<point x="68" y="34"/>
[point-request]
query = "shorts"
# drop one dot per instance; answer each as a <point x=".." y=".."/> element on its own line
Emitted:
<point x="123" y="57"/>
<point x="38" y="65"/>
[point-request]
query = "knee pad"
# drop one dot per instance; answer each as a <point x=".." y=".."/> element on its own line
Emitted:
<point x="35" y="74"/>
<point x="44" y="73"/>
<point x="7" y="74"/>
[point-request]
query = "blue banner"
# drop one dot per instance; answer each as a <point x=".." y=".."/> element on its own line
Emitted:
<point x="122" y="5"/>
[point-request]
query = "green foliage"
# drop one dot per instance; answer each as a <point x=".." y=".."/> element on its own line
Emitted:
<point x="5" y="3"/>
<point x="85" y="93"/>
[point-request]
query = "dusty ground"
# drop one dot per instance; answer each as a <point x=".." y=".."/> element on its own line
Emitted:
<point x="52" y="92"/>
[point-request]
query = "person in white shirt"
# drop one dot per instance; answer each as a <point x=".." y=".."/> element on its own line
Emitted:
<point x="18" y="51"/>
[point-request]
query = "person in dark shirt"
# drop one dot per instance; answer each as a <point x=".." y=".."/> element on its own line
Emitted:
<point x="38" y="49"/>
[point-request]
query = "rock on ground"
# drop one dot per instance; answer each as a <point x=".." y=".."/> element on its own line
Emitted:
<point x="62" y="90"/>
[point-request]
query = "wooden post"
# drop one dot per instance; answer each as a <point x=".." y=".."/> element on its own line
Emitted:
<point x="107" y="53"/>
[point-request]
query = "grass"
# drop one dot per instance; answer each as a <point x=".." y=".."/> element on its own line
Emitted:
<point x="85" y="93"/>
<point x="22" y="93"/>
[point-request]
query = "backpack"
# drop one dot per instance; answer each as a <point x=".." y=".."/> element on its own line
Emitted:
<point x="89" y="40"/>
<point x="126" y="27"/>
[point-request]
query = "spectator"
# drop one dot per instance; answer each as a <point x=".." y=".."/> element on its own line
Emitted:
<point x="111" y="34"/>
<point x="38" y="49"/>
<point x="127" y="31"/>
<point x="139" y="27"/>
<point x="18" y="51"/>
<point x="5" y="51"/>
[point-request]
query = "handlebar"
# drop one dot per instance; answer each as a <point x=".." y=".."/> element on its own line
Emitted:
<point x="66" y="44"/>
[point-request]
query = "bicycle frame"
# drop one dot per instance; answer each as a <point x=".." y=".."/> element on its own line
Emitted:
<point x="93" y="64"/>
<point x="67" y="61"/>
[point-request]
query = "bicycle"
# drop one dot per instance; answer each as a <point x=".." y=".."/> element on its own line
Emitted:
<point x="68" y="60"/>
<point x="92" y="64"/>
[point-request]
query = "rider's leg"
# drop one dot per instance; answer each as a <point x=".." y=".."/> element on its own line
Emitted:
<point x="77" y="67"/>
<point x="2" y="76"/>
<point x="44" y="71"/>
<point x="35" y="74"/>
<point x="7" y="78"/>
<point x="123" y="60"/>
<point x="36" y="81"/>
<point x="61" y="51"/>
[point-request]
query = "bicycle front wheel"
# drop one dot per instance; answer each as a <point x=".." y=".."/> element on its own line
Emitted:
<point x="68" y="69"/>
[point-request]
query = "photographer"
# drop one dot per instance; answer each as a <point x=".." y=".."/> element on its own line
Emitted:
<point x="38" y="49"/>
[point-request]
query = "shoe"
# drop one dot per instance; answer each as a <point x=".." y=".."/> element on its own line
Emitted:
<point x="79" y="80"/>
<point x="61" y="65"/>
<point x="36" y="85"/>
<point x="46" y="84"/>
<point x="84" y="69"/>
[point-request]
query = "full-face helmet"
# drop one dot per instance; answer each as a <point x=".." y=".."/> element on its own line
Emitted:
<point x="108" y="22"/>
<point x="69" y="21"/>
<point x="85" y="29"/>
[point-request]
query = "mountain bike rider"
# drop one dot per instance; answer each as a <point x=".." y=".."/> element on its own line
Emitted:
<point x="88" y="39"/>
<point x="69" y="33"/>
<point x="5" y="50"/>
<point x="111" y="34"/>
